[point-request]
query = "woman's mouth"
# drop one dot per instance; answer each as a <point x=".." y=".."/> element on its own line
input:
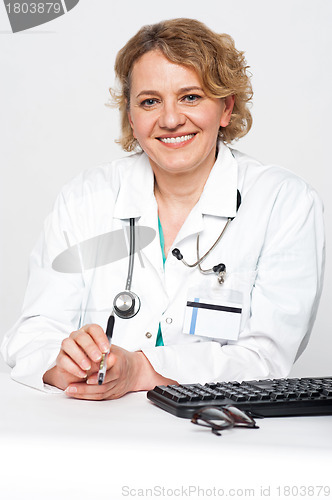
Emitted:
<point x="176" y="140"/>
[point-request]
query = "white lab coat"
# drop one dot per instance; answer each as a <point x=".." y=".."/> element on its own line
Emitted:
<point x="273" y="251"/>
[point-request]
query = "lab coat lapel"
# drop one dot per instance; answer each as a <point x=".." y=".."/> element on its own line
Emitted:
<point x="219" y="197"/>
<point x="136" y="192"/>
<point x="136" y="199"/>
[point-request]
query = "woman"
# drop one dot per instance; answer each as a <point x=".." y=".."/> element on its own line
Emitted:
<point x="184" y="96"/>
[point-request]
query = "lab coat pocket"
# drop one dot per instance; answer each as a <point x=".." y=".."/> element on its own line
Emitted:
<point x="215" y="314"/>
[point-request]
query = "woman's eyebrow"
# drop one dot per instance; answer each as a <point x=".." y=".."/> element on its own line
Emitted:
<point x="190" y="89"/>
<point x="180" y="91"/>
<point x="148" y="92"/>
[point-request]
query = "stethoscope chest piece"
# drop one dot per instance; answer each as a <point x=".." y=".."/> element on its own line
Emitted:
<point x="126" y="304"/>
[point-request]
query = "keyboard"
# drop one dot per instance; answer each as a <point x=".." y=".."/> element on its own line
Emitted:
<point x="261" y="398"/>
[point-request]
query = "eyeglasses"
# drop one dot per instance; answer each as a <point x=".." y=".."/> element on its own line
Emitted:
<point x="226" y="417"/>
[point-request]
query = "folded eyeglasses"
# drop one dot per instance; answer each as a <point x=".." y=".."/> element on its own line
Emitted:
<point x="226" y="417"/>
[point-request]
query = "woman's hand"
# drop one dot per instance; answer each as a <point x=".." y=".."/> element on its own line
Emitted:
<point x="126" y="372"/>
<point x="79" y="356"/>
<point x="78" y="362"/>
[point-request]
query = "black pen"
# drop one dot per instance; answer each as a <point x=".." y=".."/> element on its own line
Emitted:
<point x="103" y="362"/>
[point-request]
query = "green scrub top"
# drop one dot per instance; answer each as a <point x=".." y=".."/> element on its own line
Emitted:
<point x="159" y="341"/>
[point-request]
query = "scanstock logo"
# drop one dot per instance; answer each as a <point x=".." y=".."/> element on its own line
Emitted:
<point x="25" y="14"/>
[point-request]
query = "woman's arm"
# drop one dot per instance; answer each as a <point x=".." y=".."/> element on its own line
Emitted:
<point x="77" y="364"/>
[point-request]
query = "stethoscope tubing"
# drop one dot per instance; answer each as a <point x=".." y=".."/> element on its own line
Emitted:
<point x="132" y="244"/>
<point x="200" y="259"/>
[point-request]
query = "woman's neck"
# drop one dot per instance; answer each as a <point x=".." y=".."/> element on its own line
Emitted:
<point x="178" y="191"/>
<point x="176" y="195"/>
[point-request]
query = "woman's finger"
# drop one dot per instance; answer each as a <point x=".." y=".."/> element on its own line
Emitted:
<point x="70" y="347"/>
<point x="112" y="372"/>
<point x="93" y="392"/>
<point x="87" y="345"/>
<point x="66" y="364"/>
<point x="97" y="335"/>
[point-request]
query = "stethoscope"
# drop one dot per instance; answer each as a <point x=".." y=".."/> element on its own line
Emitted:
<point x="126" y="304"/>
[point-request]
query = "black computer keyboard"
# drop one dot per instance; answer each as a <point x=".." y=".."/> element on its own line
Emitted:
<point x="262" y="398"/>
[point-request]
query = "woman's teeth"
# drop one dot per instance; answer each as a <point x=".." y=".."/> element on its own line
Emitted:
<point x="174" y="140"/>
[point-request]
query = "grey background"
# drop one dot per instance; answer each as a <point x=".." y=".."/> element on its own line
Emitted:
<point x="53" y="122"/>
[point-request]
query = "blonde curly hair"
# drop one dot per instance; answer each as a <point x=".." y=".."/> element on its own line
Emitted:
<point x="188" y="42"/>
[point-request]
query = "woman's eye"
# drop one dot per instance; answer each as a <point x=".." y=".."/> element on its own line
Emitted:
<point x="191" y="98"/>
<point x="147" y="103"/>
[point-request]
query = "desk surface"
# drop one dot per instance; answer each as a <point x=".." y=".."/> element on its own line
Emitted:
<point x="50" y="443"/>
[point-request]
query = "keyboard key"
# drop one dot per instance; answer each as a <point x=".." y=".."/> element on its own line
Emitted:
<point x="180" y="398"/>
<point x="314" y="394"/>
<point x="290" y="395"/>
<point x="302" y="394"/>
<point x="194" y="397"/>
<point x="252" y="397"/>
<point x="277" y="396"/>
<point x="239" y="398"/>
<point x="264" y="397"/>
<point x="172" y="394"/>
<point x="213" y="385"/>
<point x="220" y="397"/>
<point x="160" y="389"/>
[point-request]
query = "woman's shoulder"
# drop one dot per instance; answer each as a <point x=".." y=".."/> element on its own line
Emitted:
<point x="256" y="175"/>
<point x="106" y="176"/>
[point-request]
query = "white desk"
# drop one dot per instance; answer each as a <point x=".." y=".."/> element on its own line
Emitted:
<point x="53" y="447"/>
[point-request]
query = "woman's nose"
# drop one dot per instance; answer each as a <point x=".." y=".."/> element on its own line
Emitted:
<point x="170" y="116"/>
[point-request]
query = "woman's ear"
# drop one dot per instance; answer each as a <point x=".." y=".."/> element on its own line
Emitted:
<point x="131" y="123"/>
<point x="228" y="109"/>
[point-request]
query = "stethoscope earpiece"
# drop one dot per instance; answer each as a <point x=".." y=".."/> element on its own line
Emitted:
<point x="219" y="268"/>
<point x="177" y="254"/>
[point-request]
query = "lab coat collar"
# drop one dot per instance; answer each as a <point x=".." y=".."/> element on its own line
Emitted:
<point x="136" y="200"/>
<point x="219" y="197"/>
<point x="137" y="189"/>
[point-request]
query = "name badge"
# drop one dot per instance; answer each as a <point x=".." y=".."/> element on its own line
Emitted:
<point x="217" y="315"/>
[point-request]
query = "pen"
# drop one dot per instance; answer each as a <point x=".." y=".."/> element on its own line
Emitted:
<point x="103" y="362"/>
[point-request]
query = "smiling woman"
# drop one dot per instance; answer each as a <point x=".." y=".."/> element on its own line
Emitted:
<point x="177" y="128"/>
<point x="248" y="313"/>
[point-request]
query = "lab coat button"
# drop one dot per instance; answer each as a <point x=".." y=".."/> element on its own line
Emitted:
<point x="169" y="321"/>
<point x="148" y="335"/>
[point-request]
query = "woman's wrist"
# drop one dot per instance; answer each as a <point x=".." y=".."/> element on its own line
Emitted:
<point x="51" y="377"/>
<point x="146" y="376"/>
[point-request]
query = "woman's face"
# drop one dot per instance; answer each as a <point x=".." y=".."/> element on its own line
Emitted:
<point x="172" y="118"/>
